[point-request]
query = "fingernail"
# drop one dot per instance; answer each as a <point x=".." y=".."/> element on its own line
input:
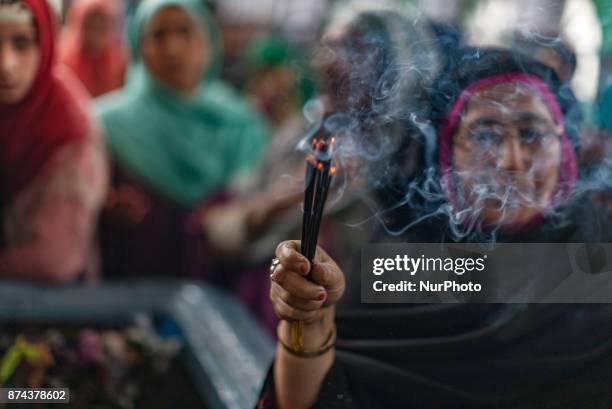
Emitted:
<point x="321" y="296"/>
<point x="304" y="268"/>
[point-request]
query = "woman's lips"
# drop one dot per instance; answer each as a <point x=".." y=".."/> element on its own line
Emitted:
<point x="6" y="86"/>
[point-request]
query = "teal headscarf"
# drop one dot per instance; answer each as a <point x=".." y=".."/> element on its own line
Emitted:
<point x="605" y="109"/>
<point x="183" y="147"/>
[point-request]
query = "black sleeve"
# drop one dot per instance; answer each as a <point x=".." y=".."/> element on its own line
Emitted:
<point x="335" y="391"/>
<point x="358" y="382"/>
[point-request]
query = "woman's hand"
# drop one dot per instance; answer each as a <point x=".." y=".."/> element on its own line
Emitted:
<point x="127" y="204"/>
<point x="297" y="380"/>
<point x="293" y="295"/>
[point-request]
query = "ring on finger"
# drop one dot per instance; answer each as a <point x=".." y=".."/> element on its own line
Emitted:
<point x="275" y="262"/>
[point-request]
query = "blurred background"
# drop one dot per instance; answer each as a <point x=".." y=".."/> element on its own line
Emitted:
<point x="584" y="24"/>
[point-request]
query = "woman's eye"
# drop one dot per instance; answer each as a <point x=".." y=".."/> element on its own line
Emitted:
<point x="486" y="136"/>
<point x="184" y="30"/>
<point x="158" y="35"/>
<point x="22" y="43"/>
<point x="531" y="135"/>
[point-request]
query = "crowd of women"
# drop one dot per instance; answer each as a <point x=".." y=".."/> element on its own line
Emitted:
<point x="118" y="186"/>
<point x="170" y="172"/>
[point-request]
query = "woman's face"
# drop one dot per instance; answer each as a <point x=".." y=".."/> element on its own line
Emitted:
<point x="19" y="60"/>
<point x="174" y="48"/>
<point x="275" y="91"/>
<point x="506" y="154"/>
<point x="96" y="31"/>
<point x="348" y="64"/>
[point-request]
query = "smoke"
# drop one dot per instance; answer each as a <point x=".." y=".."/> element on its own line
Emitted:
<point x="380" y="62"/>
<point x="375" y="59"/>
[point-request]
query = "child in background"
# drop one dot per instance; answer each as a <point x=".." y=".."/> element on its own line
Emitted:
<point x="91" y="44"/>
<point x="53" y="170"/>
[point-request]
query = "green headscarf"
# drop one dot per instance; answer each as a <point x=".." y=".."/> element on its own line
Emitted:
<point x="270" y="51"/>
<point x="183" y="147"/>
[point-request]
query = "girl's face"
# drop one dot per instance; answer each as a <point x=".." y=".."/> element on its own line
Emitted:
<point x="96" y="31"/>
<point x="19" y="60"/>
<point x="275" y="91"/>
<point x="175" y="50"/>
<point x="506" y="154"/>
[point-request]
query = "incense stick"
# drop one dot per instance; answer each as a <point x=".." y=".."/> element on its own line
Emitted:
<point x="317" y="182"/>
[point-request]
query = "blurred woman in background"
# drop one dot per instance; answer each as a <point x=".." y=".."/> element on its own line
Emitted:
<point x="177" y="136"/>
<point x="501" y="167"/>
<point x="279" y="81"/>
<point x="52" y="165"/>
<point x="279" y="86"/>
<point x="91" y="44"/>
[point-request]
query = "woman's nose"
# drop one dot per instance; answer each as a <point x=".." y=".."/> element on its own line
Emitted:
<point x="510" y="154"/>
<point x="175" y="46"/>
<point x="8" y="62"/>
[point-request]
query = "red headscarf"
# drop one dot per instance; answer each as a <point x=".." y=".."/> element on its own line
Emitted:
<point x="103" y="71"/>
<point x="51" y="114"/>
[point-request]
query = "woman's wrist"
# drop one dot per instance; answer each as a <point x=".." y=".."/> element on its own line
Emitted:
<point x="316" y="333"/>
<point x="298" y="377"/>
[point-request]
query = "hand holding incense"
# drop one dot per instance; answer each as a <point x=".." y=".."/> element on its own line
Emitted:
<point x="319" y="172"/>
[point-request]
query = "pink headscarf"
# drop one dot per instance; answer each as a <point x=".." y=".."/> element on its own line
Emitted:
<point x="103" y="71"/>
<point x="569" y="168"/>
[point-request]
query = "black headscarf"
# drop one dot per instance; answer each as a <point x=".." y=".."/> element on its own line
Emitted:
<point x="388" y="58"/>
<point x="475" y="64"/>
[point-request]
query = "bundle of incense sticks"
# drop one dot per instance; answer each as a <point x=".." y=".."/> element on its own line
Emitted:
<point x="319" y="172"/>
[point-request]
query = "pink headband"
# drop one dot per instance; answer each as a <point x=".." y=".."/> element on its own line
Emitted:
<point x="568" y="171"/>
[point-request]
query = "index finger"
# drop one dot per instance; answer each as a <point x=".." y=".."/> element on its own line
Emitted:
<point x="290" y="258"/>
